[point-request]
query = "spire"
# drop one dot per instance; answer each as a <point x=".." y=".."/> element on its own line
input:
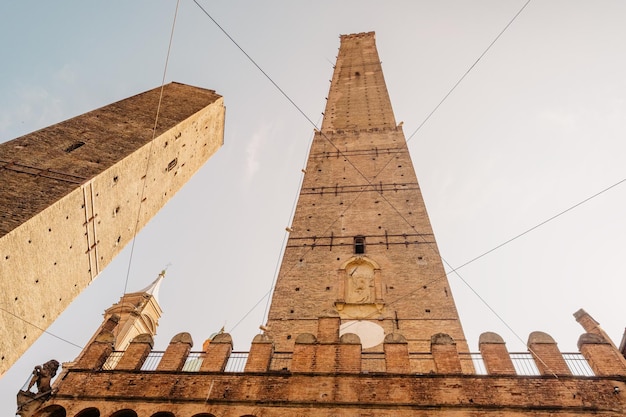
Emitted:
<point x="153" y="289"/>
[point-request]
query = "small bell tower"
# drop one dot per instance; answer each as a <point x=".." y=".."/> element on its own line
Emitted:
<point x="134" y="314"/>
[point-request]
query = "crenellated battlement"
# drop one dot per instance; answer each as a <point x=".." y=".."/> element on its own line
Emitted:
<point x="329" y="352"/>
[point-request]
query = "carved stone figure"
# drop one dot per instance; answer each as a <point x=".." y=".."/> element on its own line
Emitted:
<point x="360" y="284"/>
<point x="42" y="376"/>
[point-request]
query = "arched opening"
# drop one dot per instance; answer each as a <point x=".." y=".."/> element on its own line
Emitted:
<point x="124" y="413"/>
<point x="203" y="415"/>
<point x="89" y="412"/>
<point x="163" y="414"/>
<point x="52" y="411"/>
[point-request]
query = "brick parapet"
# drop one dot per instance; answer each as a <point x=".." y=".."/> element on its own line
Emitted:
<point x="601" y="355"/>
<point x="546" y="354"/>
<point x="217" y="352"/>
<point x="260" y="354"/>
<point x="495" y="355"/>
<point x="97" y="352"/>
<point x="445" y="354"/>
<point x="279" y="394"/>
<point x="176" y="353"/>
<point x="136" y="353"/>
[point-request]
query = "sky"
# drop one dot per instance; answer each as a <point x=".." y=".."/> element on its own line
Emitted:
<point x="536" y="127"/>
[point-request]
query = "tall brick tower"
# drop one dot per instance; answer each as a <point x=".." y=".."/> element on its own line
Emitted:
<point x="72" y="195"/>
<point x="361" y="241"/>
<point x="362" y="321"/>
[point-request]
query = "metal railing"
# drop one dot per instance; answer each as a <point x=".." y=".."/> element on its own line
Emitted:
<point x="371" y="362"/>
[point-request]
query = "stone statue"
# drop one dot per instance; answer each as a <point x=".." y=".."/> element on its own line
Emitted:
<point x="42" y="376"/>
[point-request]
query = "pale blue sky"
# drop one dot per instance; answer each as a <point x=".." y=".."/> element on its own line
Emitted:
<point x="536" y="127"/>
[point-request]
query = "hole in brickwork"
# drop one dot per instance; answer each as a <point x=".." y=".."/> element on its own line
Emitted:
<point x="288" y="336"/>
<point x="116" y="178"/>
<point x="172" y="164"/>
<point x="327" y="288"/>
<point x="291" y="311"/>
<point x="297" y="288"/>
<point x="428" y="310"/>
<point x="36" y="281"/>
<point x="6" y="257"/>
<point x="15" y="298"/>
<point x="74" y="146"/>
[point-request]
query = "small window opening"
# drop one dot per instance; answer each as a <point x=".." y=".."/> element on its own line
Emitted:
<point x="74" y="146"/>
<point x="359" y="244"/>
<point x="172" y="164"/>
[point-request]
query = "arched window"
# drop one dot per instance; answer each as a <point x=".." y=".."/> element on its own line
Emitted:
<point x="52" y="411"/>
<point x="163" y="414"/>
<point x="124" y="413"/>
<point x="89" y="412"/>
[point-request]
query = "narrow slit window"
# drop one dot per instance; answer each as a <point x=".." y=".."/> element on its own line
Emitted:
<point x="359" y="244"/>
<point x="172" y="164"/>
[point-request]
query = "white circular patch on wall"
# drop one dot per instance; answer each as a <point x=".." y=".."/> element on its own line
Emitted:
<point x="371" y="334"/>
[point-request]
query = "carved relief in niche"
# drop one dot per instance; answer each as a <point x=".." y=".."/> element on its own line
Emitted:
<point x="360" y="283"/>
<point x="360" y="294"/>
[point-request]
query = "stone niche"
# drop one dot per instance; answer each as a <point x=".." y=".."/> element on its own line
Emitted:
<point x="359" y="289"/>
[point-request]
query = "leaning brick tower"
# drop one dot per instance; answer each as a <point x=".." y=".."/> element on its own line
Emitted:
<point x="361" y="243"/>
<point x="73" y="194"/>
<point x="362" y="321"/>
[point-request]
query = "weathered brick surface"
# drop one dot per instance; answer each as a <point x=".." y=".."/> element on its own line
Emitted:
<point x="65" y="214"/>
<point x="217" y="353"/>
<point x="547" y="356"/>
<point x="260" y="354"/>
<point x="136" y="353"/>
<point x="176" y="353"/>
<point x="97" y="352"/>
<point x="603" y="358"/>
<point x="445" y="355"/>
<point x="495" y="355"/>
<point x="396" y="354"/>
<point x="279" y="394"/>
